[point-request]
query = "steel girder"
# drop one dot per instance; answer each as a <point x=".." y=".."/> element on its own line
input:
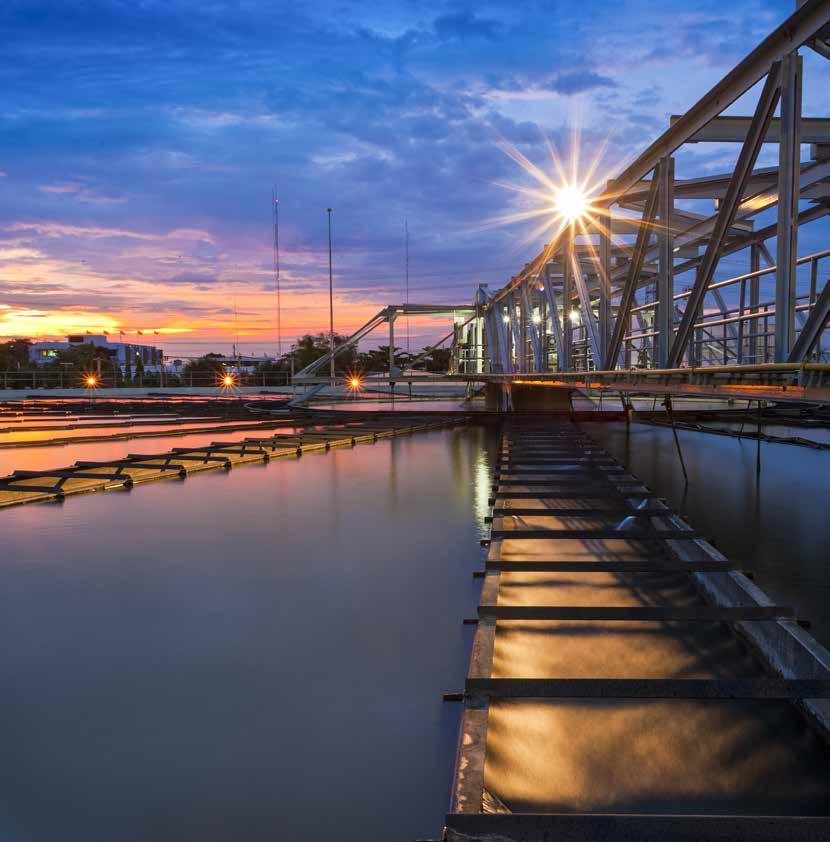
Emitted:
<point x="587" y="309"/>
<point x="789" y="170"/>
<point x="532" y="330"/>
<point x="553" y="312"/>
<point x="746" y="161"/>
<point x="813" y="327"/>
<point x="800" y="27"/>
<point x="634" y="269"/>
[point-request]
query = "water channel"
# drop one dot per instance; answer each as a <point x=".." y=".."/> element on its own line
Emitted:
<point x="261" y="654"/>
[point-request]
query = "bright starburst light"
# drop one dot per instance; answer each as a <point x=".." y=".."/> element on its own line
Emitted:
<point x="564" y="193"/>
<point x="571" y="203"/>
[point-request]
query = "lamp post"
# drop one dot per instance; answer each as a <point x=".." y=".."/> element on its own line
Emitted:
<point x="291" y="356"/>
<point x="331" y="306"/>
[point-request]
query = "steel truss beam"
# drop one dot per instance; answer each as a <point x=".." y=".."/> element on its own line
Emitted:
<point x="813" y="328"/>
<point x="801" y="26"/>
<point x="734" y="130"/>
<point x="633" y="274"/>
<point x="743" y="168"/>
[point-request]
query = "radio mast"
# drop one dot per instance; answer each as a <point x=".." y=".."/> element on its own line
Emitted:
<point x="276" y="206"/>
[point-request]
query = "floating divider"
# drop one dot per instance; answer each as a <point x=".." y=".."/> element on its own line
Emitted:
<point x="85" y="477"/>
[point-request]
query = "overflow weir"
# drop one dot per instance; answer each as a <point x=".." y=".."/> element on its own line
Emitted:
<point x="626" y="681"/>
<point x="310" y="432"/>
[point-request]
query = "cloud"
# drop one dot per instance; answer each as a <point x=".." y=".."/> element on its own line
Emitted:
<point x="464" y="25"/>
<point x="19" y="254"/>
<point x="578" y="81"/>
<point x="81" y="192"/>
<point x="387" y="112"/>
<point x="193" y="278"/>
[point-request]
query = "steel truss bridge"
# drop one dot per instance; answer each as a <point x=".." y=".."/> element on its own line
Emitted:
<point x="633" y="297"/>
<point x="629" y="299"/>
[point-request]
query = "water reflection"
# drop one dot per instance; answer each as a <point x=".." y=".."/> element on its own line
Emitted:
<point x="776" y="525"/>
<point x="259" y="653"/>
<point x="55" y="456"/>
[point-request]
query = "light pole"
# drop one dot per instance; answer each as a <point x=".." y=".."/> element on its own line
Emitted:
<point x="331" y="306"/>
<point x="293" y="347"/>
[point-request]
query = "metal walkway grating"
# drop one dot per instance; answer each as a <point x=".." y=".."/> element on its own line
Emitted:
<point x="629" y="689"/>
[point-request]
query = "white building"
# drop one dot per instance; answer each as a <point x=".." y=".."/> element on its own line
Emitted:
<point x="151" y="357"/>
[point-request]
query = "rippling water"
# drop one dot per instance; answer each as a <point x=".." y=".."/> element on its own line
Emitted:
<point x="256" y="655"/>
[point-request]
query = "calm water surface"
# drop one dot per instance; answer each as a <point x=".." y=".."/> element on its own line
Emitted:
<point x="261" y="654"/>
<point x="777" y="525"/>
<point x="256" y="655"/>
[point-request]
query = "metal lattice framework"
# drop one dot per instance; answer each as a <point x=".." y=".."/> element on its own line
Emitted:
<point x="636" y="288"/>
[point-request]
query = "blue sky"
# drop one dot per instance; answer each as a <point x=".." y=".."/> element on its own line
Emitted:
<point x="140" y="143"/>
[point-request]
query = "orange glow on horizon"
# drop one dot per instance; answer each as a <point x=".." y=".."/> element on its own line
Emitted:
<point x="72" y="280"/>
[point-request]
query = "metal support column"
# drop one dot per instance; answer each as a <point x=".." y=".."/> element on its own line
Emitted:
<point x="532" y="329"/>
<point x="665" y="260"/>
<point x="501" y="331"/>
<point x="516" y="336"/>
<point x="789" y="170"/>
<point x="627" y="298"/>
<point x="754" y="300"/>
<point x="604" y="223"/>
<point x="565" y="355"/>
<point x="391" y="342"/>
<point x="587" y="311"/>
<point x="553" y="312"/>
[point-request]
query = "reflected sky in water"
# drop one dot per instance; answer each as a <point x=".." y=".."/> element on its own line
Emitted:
<point x="777" y="527"/>
<point x="253" y="655"/>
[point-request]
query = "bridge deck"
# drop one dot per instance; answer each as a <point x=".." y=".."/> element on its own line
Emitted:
<point x="698" y="714"/>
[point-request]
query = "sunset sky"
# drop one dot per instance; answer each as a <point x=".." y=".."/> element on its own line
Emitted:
<point x="140" y="143"/>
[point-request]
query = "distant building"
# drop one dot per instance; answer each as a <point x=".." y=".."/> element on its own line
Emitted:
<point x="123" y="352"/>
<point x="242" y="364"/>
<point x="236" y="365"/>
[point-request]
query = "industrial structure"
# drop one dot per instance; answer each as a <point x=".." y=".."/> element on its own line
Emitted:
<point x="630" y="289"/>
<point x="632" y="283"/>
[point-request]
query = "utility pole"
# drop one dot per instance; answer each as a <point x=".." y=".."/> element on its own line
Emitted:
<point x="331" y="306"/>
<point x="406" y="232"/>
<point x="277" y="269"/>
